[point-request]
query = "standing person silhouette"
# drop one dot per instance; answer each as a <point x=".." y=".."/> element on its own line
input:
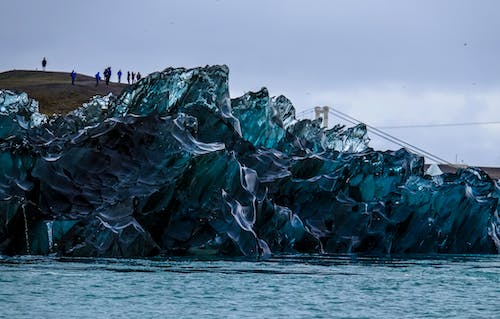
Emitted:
<point x="44" y="63"/>
<point x="138" y="76"/>
<point x="107" y="74"/>
<point x="119" y="76"/>
<point x="128" y="77"/>
<point x="97" y="78"/>
<point x="73" y="77"/>
<point x="133" y="77"/>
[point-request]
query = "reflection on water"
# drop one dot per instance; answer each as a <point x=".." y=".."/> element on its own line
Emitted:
<point x="321" y="286"/>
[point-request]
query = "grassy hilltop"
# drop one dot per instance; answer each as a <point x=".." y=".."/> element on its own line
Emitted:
<point x="53" y="90"/>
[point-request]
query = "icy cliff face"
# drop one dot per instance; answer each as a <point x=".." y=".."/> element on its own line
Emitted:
<point x="174" y="166"/>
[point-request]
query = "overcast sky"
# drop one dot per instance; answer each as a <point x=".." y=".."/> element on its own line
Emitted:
<point x="385" y="62"/>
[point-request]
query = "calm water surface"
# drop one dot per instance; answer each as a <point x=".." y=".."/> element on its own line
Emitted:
<point x="283" y="287"/>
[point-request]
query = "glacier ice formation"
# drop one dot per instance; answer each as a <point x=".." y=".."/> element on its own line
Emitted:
<point x="174" y="166"/>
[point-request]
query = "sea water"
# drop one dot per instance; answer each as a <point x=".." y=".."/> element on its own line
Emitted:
<point x="305" y="286"/>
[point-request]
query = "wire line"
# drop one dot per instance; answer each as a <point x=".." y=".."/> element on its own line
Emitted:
<point x="389" y="137"/>
<point x="439" y="125"/>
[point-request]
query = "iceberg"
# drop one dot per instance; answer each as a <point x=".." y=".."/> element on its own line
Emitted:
<point x="174" y="166"/>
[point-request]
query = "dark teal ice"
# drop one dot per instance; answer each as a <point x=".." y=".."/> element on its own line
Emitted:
<point x="174" y="166"/>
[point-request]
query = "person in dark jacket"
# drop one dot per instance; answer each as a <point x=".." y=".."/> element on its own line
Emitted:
<point x="128" y="77"/>
<point x="107" y="74"/>
<point x="73" y="77"/>
<point x="138" y="76"/>
<point x="44" y="63"/>
<point x="97" y="78"/>
<point x="119" y="76"/>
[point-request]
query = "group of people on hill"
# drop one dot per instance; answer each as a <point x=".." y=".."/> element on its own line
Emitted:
<point x="107" y="76"/>
<point x="132" y="77"/>
<point x="135" y="77"/>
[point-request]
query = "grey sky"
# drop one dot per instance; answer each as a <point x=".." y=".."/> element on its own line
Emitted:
<point x="385" y="62"/>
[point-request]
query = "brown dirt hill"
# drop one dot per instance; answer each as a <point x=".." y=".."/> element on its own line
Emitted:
<point x="53" y="90"/>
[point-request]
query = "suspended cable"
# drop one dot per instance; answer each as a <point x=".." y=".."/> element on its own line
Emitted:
<point x="302" y="113"/>
<point x="389" y="137"/>
<point x="438" y="125"/>
<point x="392" y="139"/>
<point x="382" y="134"/>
